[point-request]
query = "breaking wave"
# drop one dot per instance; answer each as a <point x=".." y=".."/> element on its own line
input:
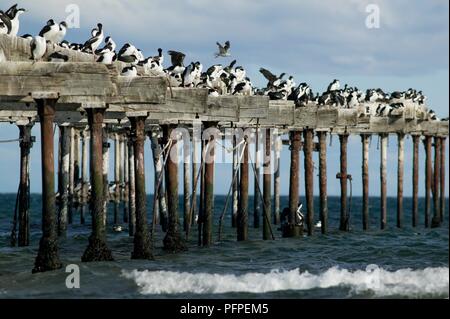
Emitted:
<point x="429" y="282"/>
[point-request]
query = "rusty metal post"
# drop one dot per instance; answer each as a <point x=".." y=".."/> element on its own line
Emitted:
<point x="277" y="181"/>
<point x="131" y="188"/>
<point x="436" y="221"/>
<point x="415" y="180"/>
<point x="209" y="186"/>
<point x="63" y="180"/>
<point x="142" y="245"/>
<point x="428" y="177"/>
<point x="256" y="197"/>
<point x="383" y="180"/>
<point x="365" y="180"/>
<point x="105" y="159"/>
<point x="97" y="249"/>
<point x="267" y="185"/>
<point x="344" y="224"/>
<point x="309" y="178"/>
<point x="242" y="217"/>
<point x="323" y="181"/>
<point x="126" y="180"/>
<point x="26" y="142"/>
<point x="442" y="180"/>
<point x="400" y="174"/>
<point x="173" y="241"/>
<point x="195" y="167"/>
<point x="47" y="258"/>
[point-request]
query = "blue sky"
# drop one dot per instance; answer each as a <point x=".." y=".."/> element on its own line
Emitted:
<point x="315" y="41"/>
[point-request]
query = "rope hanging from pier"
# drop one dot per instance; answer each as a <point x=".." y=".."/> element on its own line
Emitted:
<point x="11" y="141"/>
<point x="236" y="170"/>
<point x="158" y="185"/>
<point x="194" y="193"/>
<point x="261" y="195"/>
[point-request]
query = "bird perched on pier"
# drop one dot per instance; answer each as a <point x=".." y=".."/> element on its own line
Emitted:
<point x="50" y="31"/>
<point x="107" y="57"/>
<point x="59" y="37"/>
<point x="38" y="47"/>
<point x="14" y="13"/>
<point x="334" y="86"/>
<point x="223" y="50"/>
<point x="159" y="57"/>
<point x="129" y="71"/>
<point x="243" y="88"/>
<point x="177" y="59"/>
<point x="58" y="57"/>
<point x="128" y="54"/>
<point x="94" y="42"/>
<point x="110" y="45"/>
<point x="272" y="78"/>
<point x="5" y="23"/>
<point x="3" y="28"/>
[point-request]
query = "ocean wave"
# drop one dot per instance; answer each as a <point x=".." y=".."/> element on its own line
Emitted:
<point x="428" y="282"/>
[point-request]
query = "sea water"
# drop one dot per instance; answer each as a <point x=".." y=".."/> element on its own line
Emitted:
<point x="391" y="263"/>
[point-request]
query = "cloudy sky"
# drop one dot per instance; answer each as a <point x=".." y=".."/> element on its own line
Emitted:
<point x="315" y="41"/>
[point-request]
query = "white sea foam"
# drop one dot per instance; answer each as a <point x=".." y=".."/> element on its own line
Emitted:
<point x="403" y="282"/>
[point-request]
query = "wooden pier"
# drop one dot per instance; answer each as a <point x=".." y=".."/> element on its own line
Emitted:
<point x="98" y="103"/>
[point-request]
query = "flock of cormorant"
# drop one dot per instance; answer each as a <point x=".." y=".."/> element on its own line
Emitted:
<point x="218" y="79"/>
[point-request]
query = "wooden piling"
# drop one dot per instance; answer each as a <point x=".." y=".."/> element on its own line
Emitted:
<point x="194" y="191"/>
<point x="267" y="185"/>
<point x="105" y="160"/>
<point x="116" y="178"/>
<point x="277" y="180"/>
<point x="291" y="229"/>
<point x="235" y="186"/>
<point x="47" y="258"/>
<point x="131" y="188"/>
<point x="400" y="174"/>
<point x="84" y="174"/>
<point x="71" y="174"/>
<point x="365" y="180"/>
<point x="76" y="172"/>
<point x="383" y="180"/>
<point x="415" y="180"/>
<point x="242" y="217"/>
<point x="186" y="184"/>
<point x="24" y="187"/>
<point x="209" y="186"/>
<point x="428" y="179"/>
<point x="344" y="224"/>
<point x="173" y="241"/>
<point x="142" y="245"/>
<point x="63" y="180"/>
<point x="442" y="180"/>
<point x="323" y="181"/>
<point x="309" y="178"/>
<point x="436" y="221"/>
<point x="256" y="198"/>
<point x="97" y="249"/>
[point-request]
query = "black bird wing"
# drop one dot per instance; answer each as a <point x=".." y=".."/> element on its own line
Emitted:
<point x="6" y="20"/>
<point x="176" y="57"/>
<point x="88" y="43"/>
<point x="33" y="46"/>
<point x="44" y="30"/>
<point x="11" y="11"/>
<point x="268" y="75"/>
<point x="227" y="45"/>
